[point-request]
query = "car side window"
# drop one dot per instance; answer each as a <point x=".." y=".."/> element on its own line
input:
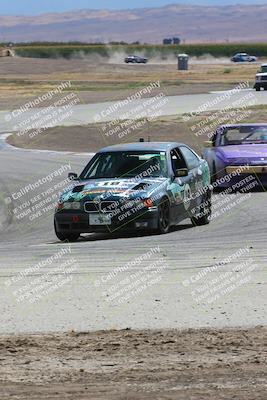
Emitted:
<point x="191" y="159"/>
<point x="177" y="160"/>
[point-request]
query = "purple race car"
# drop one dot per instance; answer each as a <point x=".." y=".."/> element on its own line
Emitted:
<point x="236" y="152"/>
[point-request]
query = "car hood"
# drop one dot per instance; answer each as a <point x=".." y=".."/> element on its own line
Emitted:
<point x="245" y="152"/>
<point x="112" y="188"/>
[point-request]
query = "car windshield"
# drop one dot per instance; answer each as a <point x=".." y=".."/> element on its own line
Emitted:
<point x="126" y="164"/>
<point x="264" y="69"/>
<point x="244" y="135"/>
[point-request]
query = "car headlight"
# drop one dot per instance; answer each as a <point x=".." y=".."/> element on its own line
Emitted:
<point x="76" y="205"/>
<point x="59" y="206"/>
<point x="234" y="162"/>
<point x="228" y="161"/>
<point x="72" y="206"/>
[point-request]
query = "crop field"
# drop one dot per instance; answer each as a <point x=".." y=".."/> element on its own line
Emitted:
<point x="56" y="50"/>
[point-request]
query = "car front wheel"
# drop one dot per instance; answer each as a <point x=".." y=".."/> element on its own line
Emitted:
<point x="66" y="237"/>
<point x="164" y="216"/>
<point x="214" y="173"/>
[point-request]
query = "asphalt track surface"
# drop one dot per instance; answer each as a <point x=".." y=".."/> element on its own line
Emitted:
<point x="82" y="114"/>
<point x="85" y="302"/>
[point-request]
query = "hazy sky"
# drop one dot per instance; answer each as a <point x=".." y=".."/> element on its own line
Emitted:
<point x="27" y="7"/>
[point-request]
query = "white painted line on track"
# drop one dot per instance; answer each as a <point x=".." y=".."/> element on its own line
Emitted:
<point x="228" y="91"/>
<point x="4" y="136"/>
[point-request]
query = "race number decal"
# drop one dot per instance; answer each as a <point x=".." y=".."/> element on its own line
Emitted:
<point x="187" y="197"/>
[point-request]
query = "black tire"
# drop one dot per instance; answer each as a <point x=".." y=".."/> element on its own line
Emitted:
<point x="164" y="216"/>
<point x="66" y="237"/>
<point x="257" y="88"/>
<point x="214" y="173"/>
<point x="205" y="215"/>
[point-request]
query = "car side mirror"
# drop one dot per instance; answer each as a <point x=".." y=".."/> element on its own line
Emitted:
<point x="72" y="176"/>
<point x="181" y="172"/>
<point x="209" y="143"/>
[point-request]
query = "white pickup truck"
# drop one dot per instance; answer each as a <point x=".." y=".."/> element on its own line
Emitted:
<point x="261" y="78"/>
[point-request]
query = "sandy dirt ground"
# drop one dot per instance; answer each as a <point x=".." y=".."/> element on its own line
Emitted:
<point x="168" y="364"/>
<point x="91" y="138"/>
<point x="24" y="79"/>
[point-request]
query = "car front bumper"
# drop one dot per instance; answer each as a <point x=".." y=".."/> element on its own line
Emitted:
<point x="254" y="176"/>
<point x="260" y="84"/>
<point x="78" y="222"/>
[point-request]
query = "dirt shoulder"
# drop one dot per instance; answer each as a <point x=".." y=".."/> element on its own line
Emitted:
<point x="25" y="79"/>
<point x="127" y="364"/>
<point x="91" y="138"/>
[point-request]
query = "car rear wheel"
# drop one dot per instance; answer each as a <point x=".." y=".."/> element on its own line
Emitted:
<point x="164" y="216"/>
<point x="66" y="237"/>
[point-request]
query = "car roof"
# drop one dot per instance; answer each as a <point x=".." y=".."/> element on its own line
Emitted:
<point x="139" y="146"/>
<point x="264" y="65"/>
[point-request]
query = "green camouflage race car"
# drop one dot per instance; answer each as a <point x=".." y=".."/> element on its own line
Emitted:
<point x="135" y="186"/>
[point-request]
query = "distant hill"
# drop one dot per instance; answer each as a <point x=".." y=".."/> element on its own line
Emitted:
<point x="151" y="25"/>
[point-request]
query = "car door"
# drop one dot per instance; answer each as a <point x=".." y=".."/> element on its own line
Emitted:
<point x="180" y="186"/>
<point x="195" y="178"/>
<point x="210" y="153"/>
